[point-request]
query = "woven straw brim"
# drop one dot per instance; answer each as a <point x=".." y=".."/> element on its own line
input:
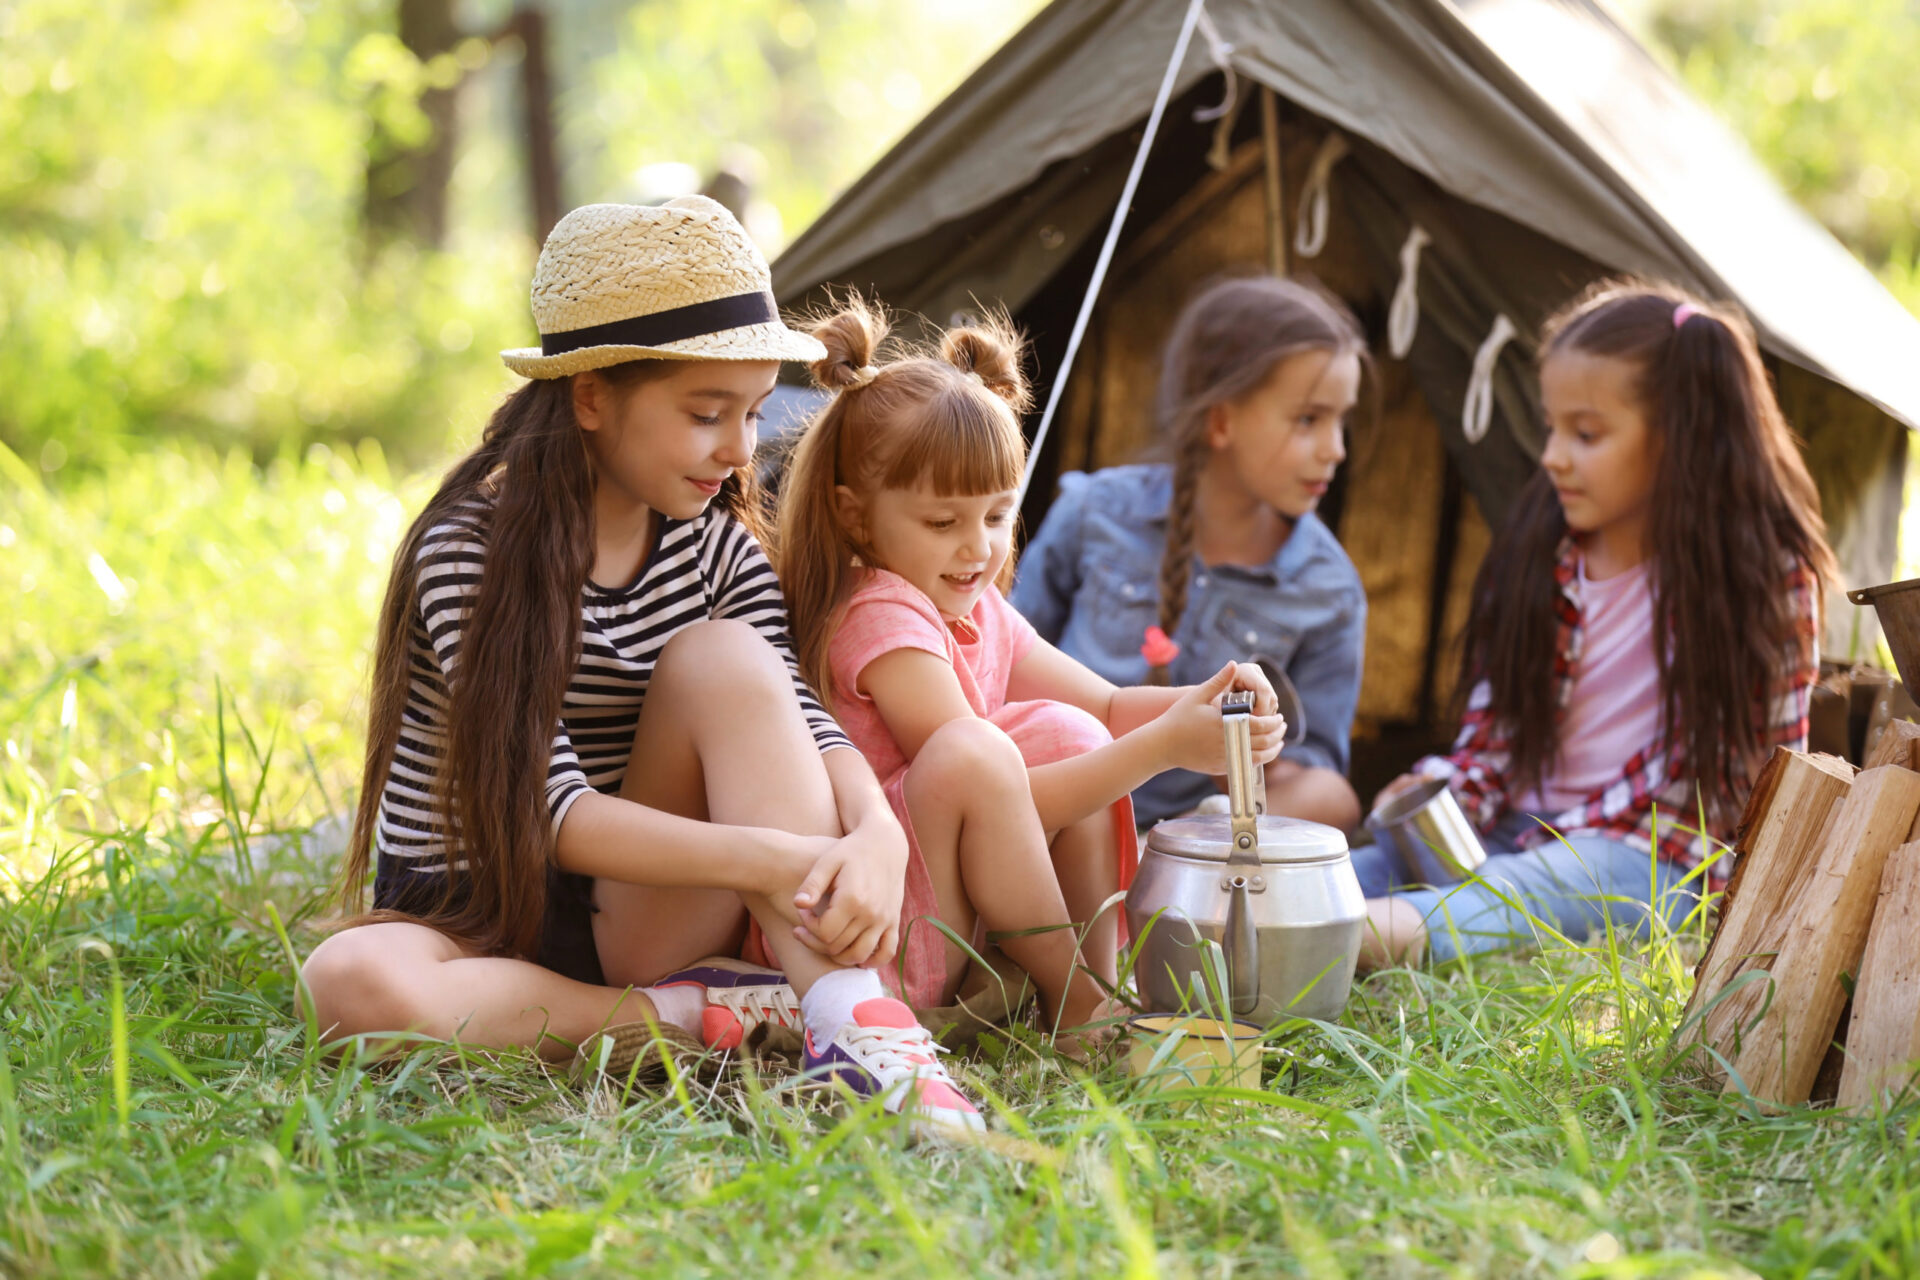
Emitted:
<point x="772" y="341"/>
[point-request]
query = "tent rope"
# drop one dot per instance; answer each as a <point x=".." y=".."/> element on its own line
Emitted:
<point x="1113" y="239"/>
<point x="1476" y="412"/>
<point x="1310" y="223"/>
<point x="1403" y="317"/>
<point x="1222" y="54"/>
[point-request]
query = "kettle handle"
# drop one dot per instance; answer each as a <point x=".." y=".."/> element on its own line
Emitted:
<point x="1247" y="795"/>
<point x="1246" y="784"/>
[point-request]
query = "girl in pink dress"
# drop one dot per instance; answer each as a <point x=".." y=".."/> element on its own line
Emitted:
<point x="1008" y="763"/>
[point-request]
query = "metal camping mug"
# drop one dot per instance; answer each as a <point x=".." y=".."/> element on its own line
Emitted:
<point x="1425" y="827"/>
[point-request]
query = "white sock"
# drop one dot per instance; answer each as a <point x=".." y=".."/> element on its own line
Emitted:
<point x="680" y="1005"/>
<point x="828" y="1004"/>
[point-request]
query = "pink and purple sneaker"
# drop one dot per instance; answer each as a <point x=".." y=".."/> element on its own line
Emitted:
<point x="741" y="1000"/>
<point x="885" y="1052"/>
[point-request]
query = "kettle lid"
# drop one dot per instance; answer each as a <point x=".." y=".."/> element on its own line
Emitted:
<point x="1210" y="836"/>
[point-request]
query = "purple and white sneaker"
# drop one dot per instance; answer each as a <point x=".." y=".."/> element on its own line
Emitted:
<point x="885" y="1052"/>
<point x="741" y="999"/>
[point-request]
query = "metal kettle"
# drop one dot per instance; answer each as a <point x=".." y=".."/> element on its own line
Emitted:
<point x="1278" y="896"/>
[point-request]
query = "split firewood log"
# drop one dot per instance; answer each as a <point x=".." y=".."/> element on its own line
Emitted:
<point x="1827" y="923"/>
<point x="1777" y="842"/>
<point x="1883" y="1038"/>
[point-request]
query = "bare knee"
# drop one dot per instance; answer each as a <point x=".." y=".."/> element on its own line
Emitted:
<point x="1318" y="795"/>
<point x="968" y="757"/>
<point x="356" y="984"/>
<point x="723" y="655"/>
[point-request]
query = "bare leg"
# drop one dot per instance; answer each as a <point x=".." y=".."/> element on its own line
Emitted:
<point x="1318" y="795"/>
<point x="720" y="732"/>
<point x="407" y="977"/>
<point x="972" y="811"/>
<point x="1394" y="934"/>
<point x="1088" y="867"/>
<point x="721" y="738"/>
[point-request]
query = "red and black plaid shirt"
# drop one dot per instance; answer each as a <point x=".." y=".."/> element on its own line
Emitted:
<point x="1652" y="800"/>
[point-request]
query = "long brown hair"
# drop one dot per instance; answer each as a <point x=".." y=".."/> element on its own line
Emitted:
<point x="529" y="486"/>
<point x="948" y="419"/>
<point x="1225" y="345"/>
<point x="1734" y="512"/>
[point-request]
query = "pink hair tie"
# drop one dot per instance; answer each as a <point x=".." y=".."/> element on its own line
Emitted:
<point x="1159" y="650"/>
<point x="1684" y="312"/>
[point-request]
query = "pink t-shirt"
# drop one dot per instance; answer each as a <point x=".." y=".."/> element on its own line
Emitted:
<point x="1614" y="710"/>
<point x="886" y="612"/>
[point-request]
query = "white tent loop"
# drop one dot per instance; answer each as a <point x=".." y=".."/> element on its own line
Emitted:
<point x="1105" y="259"/>
<point x="1403" y="317"/>
<point x="1310" y="222"/>
<point x="1222" y="54"/>
<point x="1476" y="412"/>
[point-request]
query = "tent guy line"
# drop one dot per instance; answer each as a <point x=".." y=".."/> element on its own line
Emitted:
<point x="1106" y="250"/>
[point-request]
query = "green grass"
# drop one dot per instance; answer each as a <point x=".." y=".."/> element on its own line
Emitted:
<point x="162" y="1112"/>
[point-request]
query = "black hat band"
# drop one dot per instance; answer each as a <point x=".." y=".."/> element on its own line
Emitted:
<point x="661" y="327"/>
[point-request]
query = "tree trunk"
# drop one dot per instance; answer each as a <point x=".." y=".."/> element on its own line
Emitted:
<point x="407" y="183"/>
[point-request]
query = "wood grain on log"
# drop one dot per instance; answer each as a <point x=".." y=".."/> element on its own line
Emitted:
<point x="1885" y="1034"/>
<point x="1777" y="841"/>
<point x="1827" y="932"/>
<point x="1896" y="745"/>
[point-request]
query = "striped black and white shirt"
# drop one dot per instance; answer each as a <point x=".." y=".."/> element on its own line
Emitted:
<point x="709" y="567"/>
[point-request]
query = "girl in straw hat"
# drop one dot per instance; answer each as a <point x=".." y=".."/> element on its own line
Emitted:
<point x="591" y="757"/>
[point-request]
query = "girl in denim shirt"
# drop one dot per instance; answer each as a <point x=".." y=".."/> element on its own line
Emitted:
<point x="1160" y="573"/>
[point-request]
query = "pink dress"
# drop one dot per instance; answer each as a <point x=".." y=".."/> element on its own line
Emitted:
<point x="885" y="613"/>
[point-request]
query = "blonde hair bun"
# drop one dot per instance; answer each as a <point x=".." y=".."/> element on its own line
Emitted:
<point x="851" y="335"/>
<point x="990" y="350"/>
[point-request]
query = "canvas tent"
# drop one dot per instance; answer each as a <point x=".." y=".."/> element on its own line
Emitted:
<point x="1454" y="170"/>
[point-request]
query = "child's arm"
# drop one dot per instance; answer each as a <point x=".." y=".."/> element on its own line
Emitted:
<point x="1045" y="672"/>
<point x="1154" y="730"/>
<point x="603" y="835"/>
<point x="915" y="693"/>
<point x="1475" y="770"/>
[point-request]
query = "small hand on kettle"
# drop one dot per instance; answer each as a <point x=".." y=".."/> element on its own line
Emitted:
<point x="1192" y="725"/>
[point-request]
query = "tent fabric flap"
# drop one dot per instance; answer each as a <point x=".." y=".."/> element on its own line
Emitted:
<point x="1542" y="110"/>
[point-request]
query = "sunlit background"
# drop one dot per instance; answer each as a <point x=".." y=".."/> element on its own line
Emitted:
<point x="248" y="304"/>
<point x="249" y="307"/>
<point x="212" y="207"/>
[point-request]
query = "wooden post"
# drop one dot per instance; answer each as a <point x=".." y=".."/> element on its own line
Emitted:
<point x="1828" y="931"/>
<point x="1276" y="192"/>
<point x="1779" y="837"/>
<point x="1884" y="1038"/>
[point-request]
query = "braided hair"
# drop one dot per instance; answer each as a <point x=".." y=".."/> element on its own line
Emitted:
<point x="1225" y="345"/>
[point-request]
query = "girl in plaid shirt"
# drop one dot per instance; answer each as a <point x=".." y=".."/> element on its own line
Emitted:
<point x="1643" y="634"/>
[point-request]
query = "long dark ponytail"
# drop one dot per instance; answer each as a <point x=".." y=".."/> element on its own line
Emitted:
<point x="1734" y="514"/>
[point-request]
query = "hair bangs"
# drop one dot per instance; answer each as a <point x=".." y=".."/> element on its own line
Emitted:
<point x="962" y="442"/>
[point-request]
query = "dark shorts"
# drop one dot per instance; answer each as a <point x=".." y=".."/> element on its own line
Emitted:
<point x="566" y="939"/>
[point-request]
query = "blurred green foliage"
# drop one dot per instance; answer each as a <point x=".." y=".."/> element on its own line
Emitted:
<point x="180" y="193"/>
<point x="182" y="185"/>
<point x="182" y="190"/>
<point x="179" y="600"/>
<point x="1824" y="91"/>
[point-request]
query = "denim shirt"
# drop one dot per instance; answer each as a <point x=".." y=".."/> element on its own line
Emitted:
<point x="1089" y="583"/>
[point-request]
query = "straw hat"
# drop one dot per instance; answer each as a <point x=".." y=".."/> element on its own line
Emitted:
<point x="620" y="282"/>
